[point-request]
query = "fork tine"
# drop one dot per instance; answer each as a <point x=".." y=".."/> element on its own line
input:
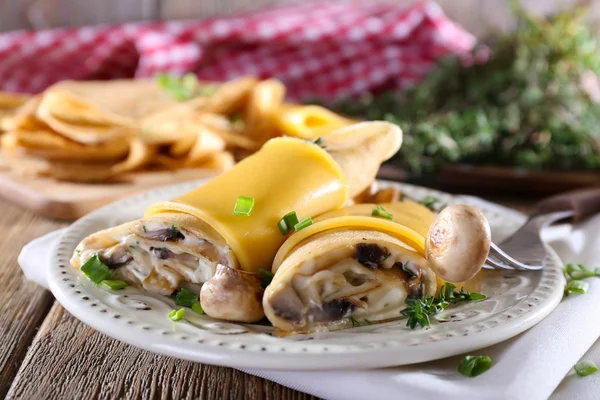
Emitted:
<point x="497" y="264"/>
<point x="501" y="256"/>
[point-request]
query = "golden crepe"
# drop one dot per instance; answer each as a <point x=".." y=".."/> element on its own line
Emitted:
<point x="197" y="239"/>
<point x="350" y="263"/>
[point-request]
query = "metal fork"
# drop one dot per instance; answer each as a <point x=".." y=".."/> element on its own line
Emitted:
<point x="524" y="250"/>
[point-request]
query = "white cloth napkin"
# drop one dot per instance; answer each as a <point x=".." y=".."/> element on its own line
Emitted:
<point x="534" y="365"/>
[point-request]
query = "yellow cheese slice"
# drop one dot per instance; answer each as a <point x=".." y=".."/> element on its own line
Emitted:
<point x="287" y="174"/>
<point x="410" y="225"/>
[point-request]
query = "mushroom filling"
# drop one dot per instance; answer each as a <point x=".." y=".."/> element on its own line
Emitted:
<point x="365" y="281"/>
<point x="155" y="255"/>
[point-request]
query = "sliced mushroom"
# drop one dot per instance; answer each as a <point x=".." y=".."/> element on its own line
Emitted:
<point x="458" y="243"/>
<point x="233" y="295"/>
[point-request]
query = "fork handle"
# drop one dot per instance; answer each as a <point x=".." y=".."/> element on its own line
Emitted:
<point x="583" y="203"/>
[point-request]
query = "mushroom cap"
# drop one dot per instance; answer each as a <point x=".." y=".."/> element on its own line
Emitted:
<point x="233" y="295"/>
<point x="458" y="243"/>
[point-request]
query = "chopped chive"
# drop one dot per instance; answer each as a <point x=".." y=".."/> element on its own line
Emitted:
<point x="306" y="222"/>
<point x="576" y="286"/>
<point x="197" y="308"/>
<point x="355" y="323"/>
<point x="582" y="274"/>
<point x="380" y="212"/>
<point x="78" y="251"/>
<point x="288" y="222"/>
<point x="585" y="368"/>
<point x="95" y="270"/>
<point x="115" y="284"/>
<point x="472" y="366"/>
<point x="176" y="315"/>
<point x="265" y="277"/>
<point x="186" y="298"/>
<point x="291" y="218"/>
<point x="243" y="206"/>
<point x="144" y="228"/>
<point x="283" y="227"/>
<point x="368" y="322"/>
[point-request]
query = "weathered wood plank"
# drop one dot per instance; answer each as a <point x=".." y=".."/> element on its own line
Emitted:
<point x="70" y="360"/>
<point x="23" y="305"/>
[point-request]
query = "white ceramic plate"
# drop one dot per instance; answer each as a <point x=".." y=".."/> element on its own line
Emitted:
<point x="516" y="301"/>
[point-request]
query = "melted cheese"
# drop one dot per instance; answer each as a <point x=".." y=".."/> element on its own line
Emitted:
<point x="285" y="175"/>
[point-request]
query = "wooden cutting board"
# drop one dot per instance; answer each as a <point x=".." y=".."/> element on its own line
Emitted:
<point x="69" y="201"/>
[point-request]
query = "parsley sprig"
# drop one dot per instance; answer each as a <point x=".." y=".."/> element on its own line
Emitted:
<point x="418" y="311"/>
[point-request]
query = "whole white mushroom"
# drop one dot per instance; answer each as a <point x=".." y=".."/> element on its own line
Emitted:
<point x="233" y="295"/>
<point x="458" y="243"/>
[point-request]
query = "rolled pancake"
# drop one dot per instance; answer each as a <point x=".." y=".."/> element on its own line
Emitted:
<point x="287" y="174"/>
<point x="350" y="264"/>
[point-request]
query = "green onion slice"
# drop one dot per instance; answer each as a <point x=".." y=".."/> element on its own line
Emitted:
<point x="576" y="286"/>
<point x="283" y="227"/>
<point x="380" y="212"/>
<point x="306" y="222"/>
<point x="265" y="277"/>
<point x="115" y="284"/>
<point x="585" y="368"/>
<point x="288" y="222"/>
<point x="177" y="315"/>
<point x="243" y="206"/>
<point x="472" y="366"/>
<point x="95" y="270"/>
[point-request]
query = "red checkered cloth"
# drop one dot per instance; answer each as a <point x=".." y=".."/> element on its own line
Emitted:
<point x="320" y="49"/>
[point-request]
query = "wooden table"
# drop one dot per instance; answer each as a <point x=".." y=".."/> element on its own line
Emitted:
<point x="47" y="353"/>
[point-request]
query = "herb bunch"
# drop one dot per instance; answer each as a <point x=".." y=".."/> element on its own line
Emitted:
<point x="418" y="311"/>
<point x="533" y="104"/>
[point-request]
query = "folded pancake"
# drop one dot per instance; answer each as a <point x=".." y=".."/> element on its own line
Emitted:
<point x="287" y="174"/>
<point x="350" y="264"/>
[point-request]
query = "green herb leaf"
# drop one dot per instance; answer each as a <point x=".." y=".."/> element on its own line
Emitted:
<point x="95" y="270"/>
<point x="177" y="315"/>
<point x="114" y="284"/>
<point x="306" y="222"/>
<point x="430" y="202"/>
<point x="380" y="212"/>
<point x="197" y="308"/>
<point x="418" y="311"/>
<point x="265" y="277"/>
<point x="355" y="323"/>
<point x="585" y="368"/>
<point x="186" y="298"/>
<point x="243" y="206"/>
<point x="472" y="366"/>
